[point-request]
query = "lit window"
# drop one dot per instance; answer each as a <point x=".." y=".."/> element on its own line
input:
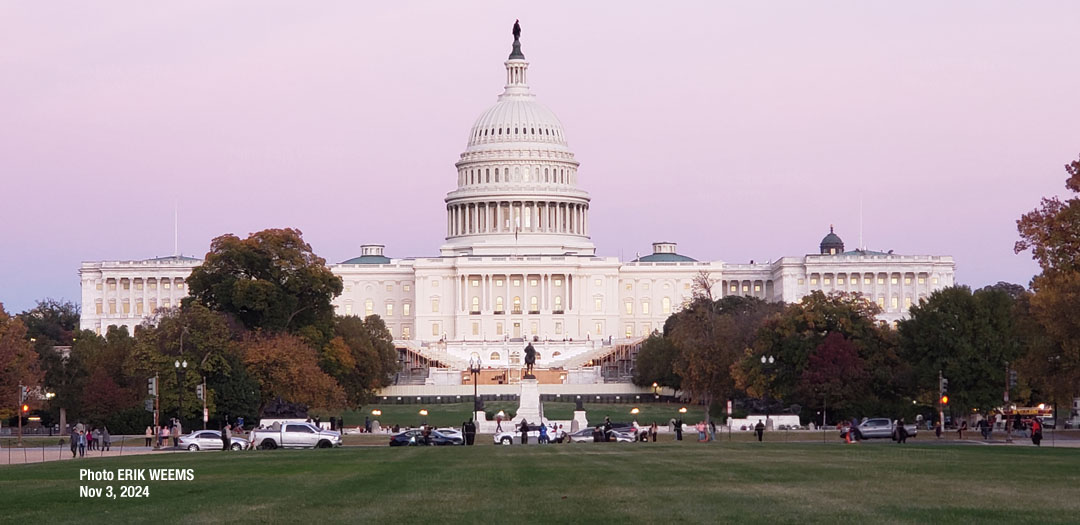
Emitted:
<point x="389" y="287"/>
<point x="498" y="282"/>
<point x="127" y="307"/>
<point x="881" y="302"/>
<point x="406" y="309"/>
<point x="686" y="286"/>
<point x="599" y="329"/>
<point x="406" y="332"/>
<point x="180" y="285"/>
<point x="126" y="284"/>
<point x="494" y="356"/>
<point x="745" y="288"/>
<point x="98" y="308"/>
<point x="475" y="283"/>
<point x="665" y="304"/>
<point x="934" y="280"/>
<point x="112" y="306"/>
<point x="629" y="331"/>
<point x="839" y="280"/>
<point x="139" y="307"/>
<point x="532" y="282"/>
<point x="599" y="282"/>
<point x="164" y="284"/>
<point x="907" y="303"/>
<point x="629" y="287"/>
<point x="813" y="281"/>
<point x="435" y="305"/>
<point x="629" y="307"/>
<point x="348" y="288"/>
<point x="827" y="280"/>
<point x="517" y="305"/>
<point x="499" y="304"/>
<point x="348" y="309"/>
<point x="138" y="285"/>
<point x="599" y="303"/>
<point x="757" y="287"/>
<point x="517" y="282"/>
<point x="895" y="280"/>
<point x="866" y="280"/>
<point x="407" y="288"/>
<point x="475" y="305"/>
<point x="645" y="307"/>
<point x="558" y="304"/>
<point x="922" y="280"/>
<point x="895" y="303"/>
<point x="499" y="328"/>
<point x="165" y="303"/>
<point x="476" y="329"/>
<point x="153" y="285"/>
<point x="389" y="309"/>
<point x="534" y="305"/>
<point x="735" y="288"/>
<point x="112" y="286"/>
<point x="667" y="286"/>
<point x="881" y="280"/>
<point x="801" y="282"/>
<point x="534" y="329"/>
<point x="435" y="283"/>
<point x="435" y="329"/>
<point x="907" y="280"/>
<point x="369" y="307"/>
<point x="646" y="286"/>
<point x="98" y="286"/>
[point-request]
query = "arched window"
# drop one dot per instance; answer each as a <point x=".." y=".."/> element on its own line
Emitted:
<point x="494" y="357"/>
<point x="538" y="356"/>
<point x="546" y="177"/>
<point x="517" y="305"/>
<point x="534" y="305"/>
<point x="500" y="131"/>
<point x="499" y="305"/>
<point x="556" y="354"/>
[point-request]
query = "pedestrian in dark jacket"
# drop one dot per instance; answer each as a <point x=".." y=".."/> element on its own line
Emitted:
<point x="678" y="429"/>
<point x="759" y="428"/>
<point x="524" y="432"/>
<point x="74" y="441"/>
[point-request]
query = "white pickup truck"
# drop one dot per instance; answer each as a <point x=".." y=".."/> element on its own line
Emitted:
<point x="294" y="435"/>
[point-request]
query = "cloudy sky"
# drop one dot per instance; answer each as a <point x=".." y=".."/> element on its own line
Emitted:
<point x="741" y="131"/>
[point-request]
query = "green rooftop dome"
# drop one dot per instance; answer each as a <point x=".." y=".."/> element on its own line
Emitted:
<point x="369" y="254"/>
<point x="664" y="252"/>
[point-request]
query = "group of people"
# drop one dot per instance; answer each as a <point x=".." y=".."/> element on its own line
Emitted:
<point x="173" y="430"/>
<point x="84" y="438"/>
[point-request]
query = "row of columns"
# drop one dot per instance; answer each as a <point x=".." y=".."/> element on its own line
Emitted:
<point x="517" y="216"/>
<point x="873" y="291"/>
<point x="488" y="290"/>
<point x="133" y="295"/>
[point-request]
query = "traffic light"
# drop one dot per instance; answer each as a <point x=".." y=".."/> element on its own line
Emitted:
<point x="24" y="392"/>
<point x="25" y="408"/>
<point x="944" y="386"/>
<point x="199" y="392"/>
<point x="151" y="386"/>
<point x="1012" y="378"/>
<point x="944" y="400"/>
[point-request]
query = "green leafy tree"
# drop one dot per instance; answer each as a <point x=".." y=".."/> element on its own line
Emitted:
<point x="51" y="322"/>
<point x="655" y="363"/>
<point x="361" y="357"/>
<point x="18" y="363"/>
<point x="270" y="281"/>
<point x="967" y="336"/>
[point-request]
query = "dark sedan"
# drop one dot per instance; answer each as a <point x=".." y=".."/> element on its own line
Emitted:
<point x="416" y="438"/>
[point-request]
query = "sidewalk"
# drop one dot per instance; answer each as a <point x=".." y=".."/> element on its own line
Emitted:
<point x="18" y="456"/>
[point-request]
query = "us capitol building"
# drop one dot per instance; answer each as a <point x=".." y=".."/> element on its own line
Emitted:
<point x="519" y="265"/>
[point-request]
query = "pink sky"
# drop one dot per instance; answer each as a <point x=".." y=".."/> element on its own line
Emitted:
<point x="739" y="131"/>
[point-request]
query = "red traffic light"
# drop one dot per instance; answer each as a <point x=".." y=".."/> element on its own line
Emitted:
<point x="25" y="408"/>
<point x="944" y="400"/>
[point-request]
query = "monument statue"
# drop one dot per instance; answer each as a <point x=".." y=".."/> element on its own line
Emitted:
<point x="517" y="29"/>
<point x="530" y="360"/>
<point x="516" y="54"/>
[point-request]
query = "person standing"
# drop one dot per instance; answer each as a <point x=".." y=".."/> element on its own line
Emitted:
<point x="175" y="433"/>
<point x="74" y="441"/>
<point x="524" y="432"/>
<point x="652" y="431"/>
<point x="960" y="429"/>
<point x="470" y="432"/>
<point x="759" y="428"/>
<point x="1036" y="432"/>
<point x="937" y="429"/>
<point x="163" y="436"/>
<point x="607" y="429"/>
<point x="700" y="427"/>
<point x="901" y="432"/>
<point x="90" y="439"/>
<point x="149" y="435"/>
<point x="82" y="444"/>
<point x="712" y="430"/>
<point x="367" y="425"/>
<point x="678" y="429"/>
<point x="106" y="439"/>
<point x="543" y="439"/>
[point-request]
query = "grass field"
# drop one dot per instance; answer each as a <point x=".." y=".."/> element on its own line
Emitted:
<point x="452" y="414"/>
<point x="666" y="482"/>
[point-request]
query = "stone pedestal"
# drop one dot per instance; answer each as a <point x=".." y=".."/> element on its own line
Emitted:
<point x="579" y="421"/>
<point x="529" y="408"/>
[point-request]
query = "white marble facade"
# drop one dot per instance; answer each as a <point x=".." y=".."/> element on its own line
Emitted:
<point x="518" y="260"/>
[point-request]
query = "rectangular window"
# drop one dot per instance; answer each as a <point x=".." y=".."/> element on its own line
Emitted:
<point x="138" y="286"/>
<point x="881" y="302"/>
<point x="735" y="288"/>
<point x="369" y="307"/>
<point x="98" y="308"/>
<point x="881" y="280"/>
<point x="534" y="328"/>
<point x="757" y="287"/>
<point x="435" y="329"/>
<point x="476" y="328"/>
<point x="112" y="307"/>
<point x="348" y="309"/>
<point x="629" y="331"/>
<point x="517" y="282"/>
<point x="348" y="288"/>
<point x="406" y="309"/>
<point x="475" y="283"/>
<point x="686" y="286"/>
<point x="646" y="286"/>
<point x="907" y="280"/>
<point x="907" y="303"/>
<point x="389" y="287"/>
<point x="165" y="285"/>
<point x="839" y="280"/>
<point x="406" y="332"/>
<point x="813" y="281"/>
<point x="499" y="328"/>
<point x="435" y="305"/>
<point x="828" y="280"/>
<point x="153" y="285"/>
<point x="180" y="285"/>
<point x="98" y="286"/>
<point x="558" y="327"/>
<point x="138" y="307"/>
<point x="126" y="284"/>
<point x="389" y="309"/>
<point x="801" y="282"/>
<point x="645" y="307"/>
<point x="934" y="280"/>
<point x="922" y="280"/>
<point x="435" y="283"/>
<point x="599" y="329"/>
<point x="127" y="307"/>
<point x="629" y="287"/>
<point x="599" y="282"/>
<point x="407" y="288"/>
<point x="629" y="308"/>
<point x="895" y="303"/>
<point x="498" y="282"/>
<point x="895" y="280"/>
<point x="746" y="287"/>
<point x="599" y="304"/>
<point x="532" y="282"/>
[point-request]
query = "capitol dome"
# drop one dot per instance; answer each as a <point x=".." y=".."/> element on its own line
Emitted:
<point x="517" y="119"/>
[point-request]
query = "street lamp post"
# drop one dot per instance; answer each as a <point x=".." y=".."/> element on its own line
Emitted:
<point x="474" y="369"/>
<point x="181" y="371"/>
<point x="767" y="361"/>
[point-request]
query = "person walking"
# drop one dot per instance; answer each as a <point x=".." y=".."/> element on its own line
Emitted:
<point x="90" y="438"/>
<point x="106" y="439"/>
<point x="652" y="431"/>
<point x="607" y="429"/>
<point x="543" y="434"/>
<point x="960" y="429"/>
<point x="1036" y="432"/>
<point x="74" y="441"/>
<point x="759" y="428"/>
<point x="700" y="427"/>
<point x="498" y="422"/>
<point x="524" y="432"/>
<point x="149" y="435"/>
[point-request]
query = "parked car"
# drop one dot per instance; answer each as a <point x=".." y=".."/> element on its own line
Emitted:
<point x="451" y="432"/>
<point x="585" y="435"/>
<point x="513" y="436"/>
<point x="415" y="437"/>
<point x="209" y="440"/>
<point x="881" y="427"/>
<point x="294" y="435"/>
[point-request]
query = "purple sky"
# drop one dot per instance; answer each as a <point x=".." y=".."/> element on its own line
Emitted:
<point x="741" y="132"/>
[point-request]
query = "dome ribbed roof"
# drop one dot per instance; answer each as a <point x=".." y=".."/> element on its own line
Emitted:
<point x="517" y="119"/>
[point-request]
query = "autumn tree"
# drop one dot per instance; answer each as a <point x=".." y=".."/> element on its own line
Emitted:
<point x="285" y="365"/>
<point x="1052" y="233"/>
<point x="361" y="357"/>
<point x="835" y="372"/>
<point x="271" y="281"/>
<point x="655" y="363"/>
<point x="18" y="363"/>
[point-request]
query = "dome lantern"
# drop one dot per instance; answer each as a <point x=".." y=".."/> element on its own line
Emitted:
<point x="832" y="244"/>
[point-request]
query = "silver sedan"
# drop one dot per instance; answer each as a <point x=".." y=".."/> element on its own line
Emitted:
<point x="208" y="440"/>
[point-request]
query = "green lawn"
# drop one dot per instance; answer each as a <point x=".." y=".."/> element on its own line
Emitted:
<point x="452" y="414"/>
<point x="653" y="483"/>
